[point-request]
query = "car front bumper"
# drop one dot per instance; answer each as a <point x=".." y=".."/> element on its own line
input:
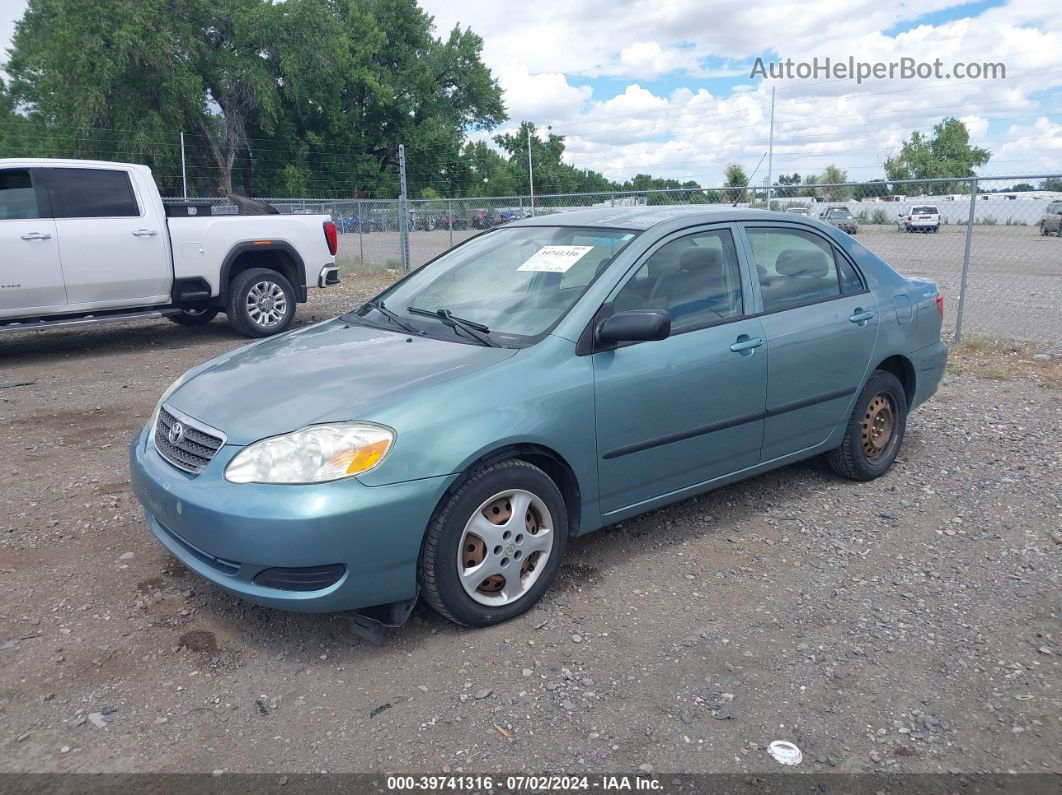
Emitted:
<point x="230" y="534"/>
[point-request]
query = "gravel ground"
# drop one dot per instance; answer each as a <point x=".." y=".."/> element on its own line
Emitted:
<point x="1014" y="286"/>
<point x="909" y="624"/>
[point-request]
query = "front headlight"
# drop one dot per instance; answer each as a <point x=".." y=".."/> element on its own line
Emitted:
<point x="315" y="454"/>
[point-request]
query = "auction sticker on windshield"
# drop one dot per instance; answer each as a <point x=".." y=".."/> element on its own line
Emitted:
<point x="555" y="259"/>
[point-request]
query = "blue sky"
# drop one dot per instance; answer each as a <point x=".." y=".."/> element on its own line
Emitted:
<point x="662" y="86"/>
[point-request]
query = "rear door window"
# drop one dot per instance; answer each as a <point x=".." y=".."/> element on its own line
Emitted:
<point x="18" y="200"/>
<point x="92" y="193"/>
<point x="797" y="268"/>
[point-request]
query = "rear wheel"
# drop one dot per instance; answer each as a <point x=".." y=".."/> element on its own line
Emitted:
<point x="875" y="430"/>
<point x="193" y="317"/>
<point x="493" y="548"/>
<point x="261" y="302"/>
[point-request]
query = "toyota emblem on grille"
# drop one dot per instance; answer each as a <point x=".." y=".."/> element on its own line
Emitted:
<point x="176" y="433"/>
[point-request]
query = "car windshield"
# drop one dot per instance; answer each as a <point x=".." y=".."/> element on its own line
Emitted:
<point x="924" y="211"/>
<point x="839" y="212"/>
<point x="510" y="285"/>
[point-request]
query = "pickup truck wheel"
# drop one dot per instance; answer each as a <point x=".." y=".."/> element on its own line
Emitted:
<point x="193" y="317"/>
<point x="875" y="430"/>
<point x="493" y="548"/>
<point x="261" y="302"/>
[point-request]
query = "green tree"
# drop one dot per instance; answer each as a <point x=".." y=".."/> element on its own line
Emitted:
<point x="1051" y="183"/>
<point x="787" y="180"/>
<point x="833" y="192"/>
<point x="306" y="94"/>
<point x="735" y="180"/>
<point x="944" y="154"/>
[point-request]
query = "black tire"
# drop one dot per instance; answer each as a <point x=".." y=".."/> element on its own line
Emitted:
<point x="855" y="458"/>
<point x="437" y="569"/>
<point x="240" y="292"/>
<point x="193" y="317"/>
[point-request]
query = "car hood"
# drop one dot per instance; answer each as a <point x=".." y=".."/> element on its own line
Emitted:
<point x="328" y="372"/>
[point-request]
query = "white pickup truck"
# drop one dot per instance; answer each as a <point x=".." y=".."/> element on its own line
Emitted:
<point x="88" y="241"/>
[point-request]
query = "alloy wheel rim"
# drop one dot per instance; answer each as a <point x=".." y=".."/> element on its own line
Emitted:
<point x="266" y="304"/>
<point x="878" y="426"/>
<point x="504" y="547"/>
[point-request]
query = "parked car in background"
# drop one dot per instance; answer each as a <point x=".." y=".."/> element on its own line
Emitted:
<point x="87" y="241"/>
<point x="397" y="450"/>
<point x="1052" y="220"/>
<point x="841" y="217"/>
<point x="920" y="218"/>
<point x="798" y="210"/>
<point x="483" y="219"/>
<point x="453" y="221"/>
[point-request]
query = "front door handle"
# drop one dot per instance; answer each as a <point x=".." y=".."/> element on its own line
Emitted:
<point x="861" y="316"/>
<point x="746" y="344"/>
<point x="144" y="233"/>
<point x="36" y="236"/>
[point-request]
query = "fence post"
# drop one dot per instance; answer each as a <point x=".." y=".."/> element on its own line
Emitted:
<point x="450" y="219"/>
<point x="403" y="210"/>
<point x="966" y="260"/>
<point x="361" y="231"/>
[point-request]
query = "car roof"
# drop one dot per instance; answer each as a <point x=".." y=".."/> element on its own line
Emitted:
<point x="643" y="217"/>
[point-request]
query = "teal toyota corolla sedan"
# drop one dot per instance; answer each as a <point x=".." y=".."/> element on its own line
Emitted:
<point x="540" y="381"/>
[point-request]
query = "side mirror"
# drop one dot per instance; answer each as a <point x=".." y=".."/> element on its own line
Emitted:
<point x="636" y="325"/>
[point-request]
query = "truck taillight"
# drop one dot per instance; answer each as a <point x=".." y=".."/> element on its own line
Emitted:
<point x="331" y="237"/>
<point x="940" y="304"/>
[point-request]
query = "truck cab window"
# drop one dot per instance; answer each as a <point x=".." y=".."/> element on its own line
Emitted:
<point x="17" y="197"/>
<point x="92" y="193"/>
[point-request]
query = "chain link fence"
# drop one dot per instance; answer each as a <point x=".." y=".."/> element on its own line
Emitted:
<point x="996" y="253"/>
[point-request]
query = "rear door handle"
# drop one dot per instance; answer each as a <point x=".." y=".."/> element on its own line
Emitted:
<point x="36" y="236"/>
<point x="861" y="316"/>
<point x="745" y="344"/>
<point x="144" y="233"/>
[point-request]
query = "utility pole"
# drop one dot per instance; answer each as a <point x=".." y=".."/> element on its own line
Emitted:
<point x="403" y="210"/>
<point x="770" y="151"/>
<point x="530" y="173"/>
<point x="184" y="172"/>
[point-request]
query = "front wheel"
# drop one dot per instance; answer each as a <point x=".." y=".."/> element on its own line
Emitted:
<point x="261" y="302"/>
<point x="193" y="317"/>
<point x="875" y="430"/>
<point x="493" y="548"/>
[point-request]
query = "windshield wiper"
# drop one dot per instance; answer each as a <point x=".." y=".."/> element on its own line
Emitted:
<point x="387" y="313"/>
<point x="473" y="329"/>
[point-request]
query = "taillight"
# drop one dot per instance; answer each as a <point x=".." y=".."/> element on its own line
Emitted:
<point x="908" y="218"/>
<point x="331" y="237"/>
<point x="940" y="304"/>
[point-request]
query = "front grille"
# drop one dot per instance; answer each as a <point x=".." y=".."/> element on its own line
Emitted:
<point x="194" y="447"/>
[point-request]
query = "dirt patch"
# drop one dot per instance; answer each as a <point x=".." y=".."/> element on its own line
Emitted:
<point x="909" y="624"/>
<point x="199" y="640"/>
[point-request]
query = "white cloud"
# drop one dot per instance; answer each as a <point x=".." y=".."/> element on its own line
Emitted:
<point x="690" y="133"/>
<point x="542" y="95"/>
